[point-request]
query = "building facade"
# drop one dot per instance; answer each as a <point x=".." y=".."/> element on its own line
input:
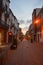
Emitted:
<point x="37" y="20"/>
<point x="13" y="24"/>
<point x="31" y="32"/>
<point x="9" y="25"/>
<point x="4" y="14"/>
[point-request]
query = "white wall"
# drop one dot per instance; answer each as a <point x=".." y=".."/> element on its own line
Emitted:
<point x="13" y="21"/>
<point x="3" y="17"/>
<point x="16" y="24"/>
<point x="37" y="11"/>
<point x="4" y="2"/>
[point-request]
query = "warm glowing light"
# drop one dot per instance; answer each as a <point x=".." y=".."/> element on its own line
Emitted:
<point x="37" y="21"/>
<point x="10" y="33"/>
<point x="42" y="28"/>
<point x="29" y="36"/>
<point x="24" y="30"/>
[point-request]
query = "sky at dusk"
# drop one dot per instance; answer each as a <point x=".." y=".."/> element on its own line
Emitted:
<point x="23" y="9"/>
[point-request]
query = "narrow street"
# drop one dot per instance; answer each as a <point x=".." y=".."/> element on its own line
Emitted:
<point x="25" y="54"/>
<point x="21" y="26"/>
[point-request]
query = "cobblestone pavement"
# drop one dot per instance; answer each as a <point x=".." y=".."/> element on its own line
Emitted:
<point x="26" y="54"/>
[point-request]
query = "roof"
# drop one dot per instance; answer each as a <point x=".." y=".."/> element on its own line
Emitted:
<point x="12" y="14"/>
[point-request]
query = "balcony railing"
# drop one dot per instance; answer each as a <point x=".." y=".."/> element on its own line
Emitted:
<point x="4" y="24"/>
<point x="0" y="3"/>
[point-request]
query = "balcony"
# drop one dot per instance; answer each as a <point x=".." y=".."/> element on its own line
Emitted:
<point x="0" y="3"/>
<point x="6" y="14"/>
<point x="4" y="25"/>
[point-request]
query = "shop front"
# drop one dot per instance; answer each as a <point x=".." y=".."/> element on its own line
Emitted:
<point x="10" y="37"/>
<point x="3" y="33"/>
<point x="3" y="36"/>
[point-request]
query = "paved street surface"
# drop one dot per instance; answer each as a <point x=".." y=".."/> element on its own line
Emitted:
<point x="26" y="54"/>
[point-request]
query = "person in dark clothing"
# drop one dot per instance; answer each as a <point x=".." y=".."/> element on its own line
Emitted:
<point x="14" y="44"/>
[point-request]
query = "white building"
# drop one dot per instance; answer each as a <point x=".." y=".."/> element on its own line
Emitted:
<point x="13" y="23"/>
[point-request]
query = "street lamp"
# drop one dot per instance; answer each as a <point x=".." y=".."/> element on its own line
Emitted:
<point x="37" y="28"/>
<point x="37" y="22"/>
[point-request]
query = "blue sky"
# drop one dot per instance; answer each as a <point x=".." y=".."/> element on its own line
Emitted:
<point x="23" y="9"/>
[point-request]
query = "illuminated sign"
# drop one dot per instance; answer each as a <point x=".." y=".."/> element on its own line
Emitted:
<point x="10" y="33"/>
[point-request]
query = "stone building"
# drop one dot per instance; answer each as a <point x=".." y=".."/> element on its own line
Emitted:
<point x="31" y="32"/>
<point x="13" y="24"/>
<point x="9" y="25"/>
<point x="4" y="14"/>
<point x="37" y="20"/>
